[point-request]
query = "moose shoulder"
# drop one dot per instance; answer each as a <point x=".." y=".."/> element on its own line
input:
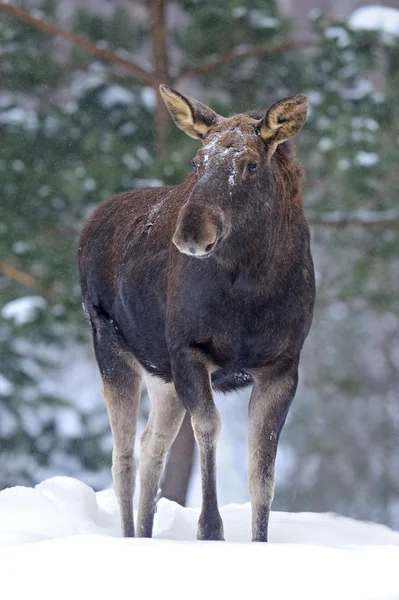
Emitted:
<point x="208" y="284"/>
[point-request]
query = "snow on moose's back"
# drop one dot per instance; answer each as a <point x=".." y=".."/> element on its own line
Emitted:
<point x="65" y="539"/>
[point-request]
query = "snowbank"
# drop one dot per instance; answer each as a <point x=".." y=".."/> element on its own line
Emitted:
<point x="62" y="540"/>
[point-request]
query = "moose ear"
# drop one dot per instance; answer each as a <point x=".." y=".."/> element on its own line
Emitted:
<point x="191" y="116"/>
<point x="283" y="120"/>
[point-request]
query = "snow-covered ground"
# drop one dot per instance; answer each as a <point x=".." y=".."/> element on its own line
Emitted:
<point x="62" y="540"/>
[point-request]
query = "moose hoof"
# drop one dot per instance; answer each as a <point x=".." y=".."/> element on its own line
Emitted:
<point x="259" y="538"/>
<point x="211" y="531"/>
<point x="214" y="535"/>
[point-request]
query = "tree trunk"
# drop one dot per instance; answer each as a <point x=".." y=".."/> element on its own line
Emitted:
<point x="161" y="73"/>
<point x="179" y="465"/>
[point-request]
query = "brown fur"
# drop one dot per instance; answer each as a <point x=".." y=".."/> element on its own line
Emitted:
<point x="208" y="284"/>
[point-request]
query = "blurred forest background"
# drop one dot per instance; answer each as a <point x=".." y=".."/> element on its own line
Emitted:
<point x="80" y="119"/>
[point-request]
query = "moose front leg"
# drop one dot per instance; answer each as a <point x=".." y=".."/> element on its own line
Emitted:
<point x="271" y="398"/>
<point x="192" y="382"/>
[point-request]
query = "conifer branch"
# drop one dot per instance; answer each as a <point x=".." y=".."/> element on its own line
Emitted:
<point x="26" y="280"/>
<point x="238" y="54"/>
<point x="364" y="218"/>
<point x="139" y="74"/>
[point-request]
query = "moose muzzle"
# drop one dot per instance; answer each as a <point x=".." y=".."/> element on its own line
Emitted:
<point x="198" y="229"/>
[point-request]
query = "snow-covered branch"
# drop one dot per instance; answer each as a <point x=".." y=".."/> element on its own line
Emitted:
<point x="240" y="54"/>
<point x="139" y="74"/>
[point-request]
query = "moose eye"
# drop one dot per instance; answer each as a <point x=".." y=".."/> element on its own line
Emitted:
<point x="252" y="167"/>
<point x="194" y="166"/>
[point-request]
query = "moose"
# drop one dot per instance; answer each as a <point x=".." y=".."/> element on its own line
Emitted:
<point x="207" y="285"/>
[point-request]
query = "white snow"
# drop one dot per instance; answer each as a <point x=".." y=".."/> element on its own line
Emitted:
<point x="17" y="165"/>
<point x="116" y="94"/>
<point x="83" y="80"/>
<point x="215" y="150"/>
<point x="89" y="184"/>
<point x="62" y="540"/>
<point x="365" y="123"/>
<point x="141" y="182"/>
<point x="338" y="311"/>
<point x="20" y="116"/>
<point x="153" y="216"/>
<point x="315" y="97"/>
<point x="239" y="11"/>
<point x="340" y="34"/>
<point x="257" y="19"/>
<point x="148" y="97"/>
<point x="127" y="129"/>
<point x="144" y="155"/>
<point x="130" y="162"/>
<point x="343" y="164"/>
<point x="325" y="144"/>
<point x="376" y="18"/>
<point x="360" y="89"/>
<point x="6" y="387"/>
<point x="23" y="310"/>
<point x="212" y="147"/>
<point x="366" y="159"/>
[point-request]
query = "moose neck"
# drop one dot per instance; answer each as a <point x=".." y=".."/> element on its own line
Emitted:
<point x="266" y="241"/>
<point x="255" y="247"/>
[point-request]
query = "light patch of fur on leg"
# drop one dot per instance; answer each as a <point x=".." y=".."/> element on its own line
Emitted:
<point x="166" y="416"/>
<point x="122" y="400"/>
<point x="269" y="404"/>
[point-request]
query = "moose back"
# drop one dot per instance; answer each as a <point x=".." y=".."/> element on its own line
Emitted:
<point x="207" y="285"/>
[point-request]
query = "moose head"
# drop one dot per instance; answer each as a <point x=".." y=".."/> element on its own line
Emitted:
<point x="235" y="169"/>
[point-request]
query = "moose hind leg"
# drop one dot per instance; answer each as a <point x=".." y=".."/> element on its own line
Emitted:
<point x="166" y="416"/>
<point x="122" y="405"/>
<point x="121" y="376"/>
<point x="271" y="398"/>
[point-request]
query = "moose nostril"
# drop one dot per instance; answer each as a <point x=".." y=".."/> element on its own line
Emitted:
<point x="210" y="247"/>
<point x="192" y="250"/>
